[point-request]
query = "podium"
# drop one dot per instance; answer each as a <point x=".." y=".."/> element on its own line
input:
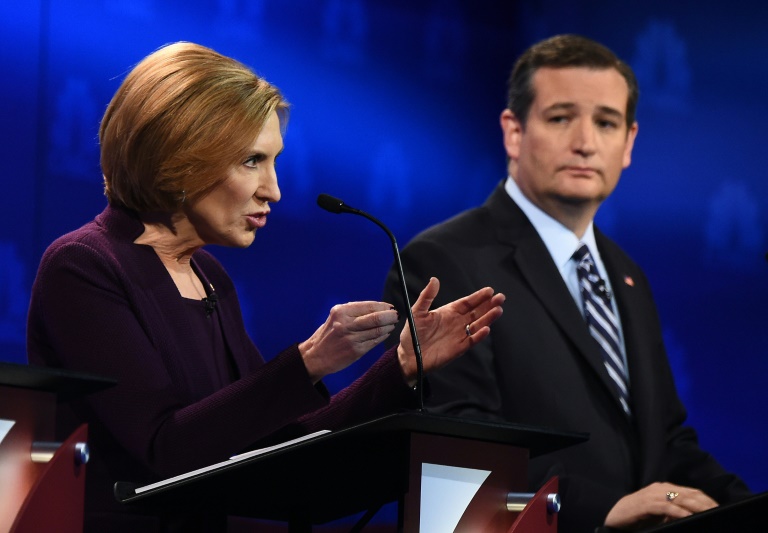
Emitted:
<point x="397" y="458"/>
<point x="42" y="482"/>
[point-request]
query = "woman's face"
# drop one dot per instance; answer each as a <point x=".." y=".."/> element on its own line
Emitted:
<point x="232" y="212"/>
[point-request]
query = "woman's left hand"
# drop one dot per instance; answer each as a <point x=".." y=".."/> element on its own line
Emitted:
<point x="448" y="331"/>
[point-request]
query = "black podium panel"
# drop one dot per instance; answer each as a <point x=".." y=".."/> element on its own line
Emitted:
<point x="65" y="384"/>
<point x="335" y="474"/>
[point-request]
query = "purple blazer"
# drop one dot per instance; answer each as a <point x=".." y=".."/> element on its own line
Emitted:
<point x="102" y="304"/>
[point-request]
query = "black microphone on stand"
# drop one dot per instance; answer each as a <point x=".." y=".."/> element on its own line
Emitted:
<point x="334" y="205"/>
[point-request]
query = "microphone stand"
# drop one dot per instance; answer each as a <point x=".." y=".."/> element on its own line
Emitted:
<point x="334" y="205"/>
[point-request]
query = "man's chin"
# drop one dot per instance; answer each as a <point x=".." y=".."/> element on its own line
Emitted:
<point x="577" y="199"/>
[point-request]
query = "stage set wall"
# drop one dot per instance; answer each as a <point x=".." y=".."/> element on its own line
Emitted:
<point x="395" y="107"/>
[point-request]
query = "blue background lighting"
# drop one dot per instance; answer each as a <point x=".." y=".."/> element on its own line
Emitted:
<point x="395" y="107"/>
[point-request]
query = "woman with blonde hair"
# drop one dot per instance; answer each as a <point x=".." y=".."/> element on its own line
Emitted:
<point x="188" y="149"/>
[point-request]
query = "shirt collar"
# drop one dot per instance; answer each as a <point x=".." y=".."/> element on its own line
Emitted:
<point x="559" y="240"/>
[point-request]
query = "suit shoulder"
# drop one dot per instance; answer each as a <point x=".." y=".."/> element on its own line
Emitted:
<point x="466" y="226"/>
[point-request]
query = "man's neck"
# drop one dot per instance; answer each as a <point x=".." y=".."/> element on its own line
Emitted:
<point x="575" y="217"/>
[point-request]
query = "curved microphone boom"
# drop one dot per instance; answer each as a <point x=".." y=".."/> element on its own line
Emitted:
<point x="334" y="205"/>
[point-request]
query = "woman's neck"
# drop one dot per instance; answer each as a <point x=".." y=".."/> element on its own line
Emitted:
<point x="174" y="241"/>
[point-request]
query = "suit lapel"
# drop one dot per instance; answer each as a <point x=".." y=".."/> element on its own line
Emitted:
<point x="539" y="270"/>
<point x="530" y="256"/>
<point x="625" y="282"/>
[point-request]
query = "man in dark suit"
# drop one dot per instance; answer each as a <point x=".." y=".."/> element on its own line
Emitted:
<point x="550" y="360"/>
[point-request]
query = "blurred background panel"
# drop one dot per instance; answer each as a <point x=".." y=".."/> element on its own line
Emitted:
<point x="395" y="108"/>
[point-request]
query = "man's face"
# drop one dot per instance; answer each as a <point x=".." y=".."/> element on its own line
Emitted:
<point x="575" y="143"/>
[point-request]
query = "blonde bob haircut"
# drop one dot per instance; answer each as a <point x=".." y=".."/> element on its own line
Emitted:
<point x="179" y="121"/>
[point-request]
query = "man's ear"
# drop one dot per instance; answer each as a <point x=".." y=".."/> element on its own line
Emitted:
<point x="631" y="136"/>
<point x="512" y="130"/>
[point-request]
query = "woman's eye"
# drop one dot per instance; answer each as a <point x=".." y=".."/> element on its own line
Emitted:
<point x="254" y="160"/>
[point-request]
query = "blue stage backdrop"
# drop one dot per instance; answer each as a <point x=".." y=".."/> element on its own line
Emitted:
<point x="395" y="108"/>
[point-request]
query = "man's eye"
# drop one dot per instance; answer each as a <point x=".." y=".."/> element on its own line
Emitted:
<point x="607" y="124"/>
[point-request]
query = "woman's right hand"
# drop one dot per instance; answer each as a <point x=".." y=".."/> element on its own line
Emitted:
<point x="350" y="331"/>
<point x="447" y="332"/>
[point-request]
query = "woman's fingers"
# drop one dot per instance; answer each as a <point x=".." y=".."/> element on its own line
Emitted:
<point x="426" y="297"/>
<point x="351" y="330"/>
<point x="489" y="311"/>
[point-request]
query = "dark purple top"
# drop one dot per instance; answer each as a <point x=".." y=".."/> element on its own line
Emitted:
<point x="214" y="357"/>
<point x="104" y="305"/>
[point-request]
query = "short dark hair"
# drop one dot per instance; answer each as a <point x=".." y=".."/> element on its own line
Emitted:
<point x="564" y="51"/>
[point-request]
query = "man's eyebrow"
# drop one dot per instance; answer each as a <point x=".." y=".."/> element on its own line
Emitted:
<point x="610" y="111"/>
<point x="559" y="106"/>
<point x="570" y="106"/>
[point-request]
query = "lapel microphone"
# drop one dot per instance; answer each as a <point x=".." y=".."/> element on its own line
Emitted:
<point x="334" y="205"/>
<point x="210" y="303"/>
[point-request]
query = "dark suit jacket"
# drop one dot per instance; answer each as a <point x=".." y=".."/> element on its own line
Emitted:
<point x="540" y="365"/>
<point x="104" y="305"/>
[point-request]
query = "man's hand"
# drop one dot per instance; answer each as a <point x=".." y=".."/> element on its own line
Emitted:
<point x="655" y="504"/>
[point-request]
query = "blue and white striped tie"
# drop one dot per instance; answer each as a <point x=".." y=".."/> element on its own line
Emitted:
<point x="602" y="321"/>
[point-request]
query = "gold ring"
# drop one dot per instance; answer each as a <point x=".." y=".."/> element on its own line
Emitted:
<point x="466" y="328"/>
<point x="672" y="495"/>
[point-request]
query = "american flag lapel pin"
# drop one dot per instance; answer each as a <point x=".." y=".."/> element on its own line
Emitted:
<point x="629" y="281"/>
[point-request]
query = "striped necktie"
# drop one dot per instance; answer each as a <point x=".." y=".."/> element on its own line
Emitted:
<point x="602" y="321"/>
